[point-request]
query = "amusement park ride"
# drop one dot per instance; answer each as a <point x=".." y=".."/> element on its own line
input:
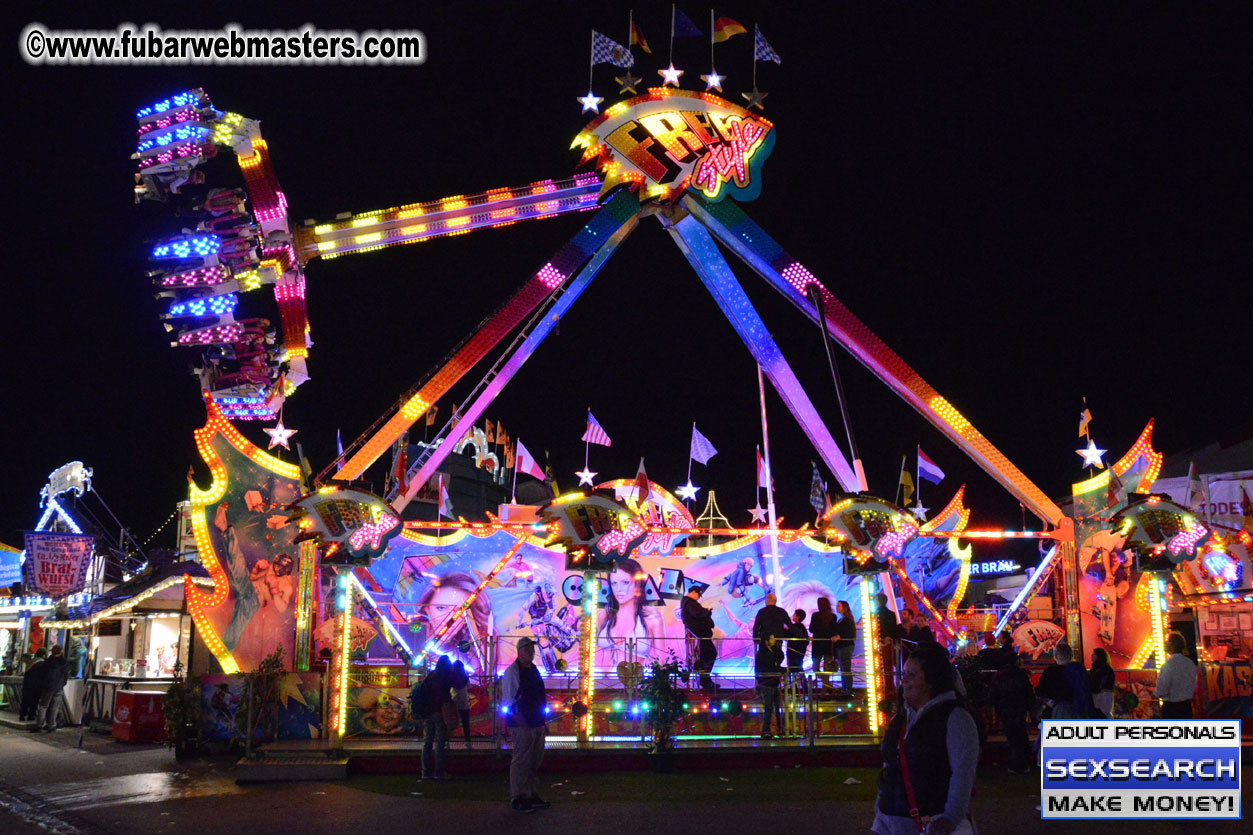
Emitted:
<point x="686" y="159"/>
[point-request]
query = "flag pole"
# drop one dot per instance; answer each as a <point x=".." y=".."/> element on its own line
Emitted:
<point x="917" y="477"/>
<point x="712" y="69"/>
<point x="586" y="443"/>
<point x="672" y="34"/>
<point x="630" y="27"/>
<point x="897" y="500"/>
<point x="765" y="442"/>
<point x="756" y="31"/>
<point x="514" y="499"/>
<point x="689" y="454"/>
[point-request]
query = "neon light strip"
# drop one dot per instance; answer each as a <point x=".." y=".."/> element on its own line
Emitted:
<point x="1027" y="591"/>
<point x="587" y="654"/>
<point x="870" y="655"/>
<point x="1157" y="612"/>
<point x="702" y="253"/>
<point x="473" y="411"/>
<point x="750" y="242"/>
<point x="339" y="675"/>
<point x="304" y="603"/>
<point x="126" y="605"/>
<point x="378" y="617"/>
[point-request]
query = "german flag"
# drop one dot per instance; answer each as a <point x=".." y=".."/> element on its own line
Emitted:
<point x="637" y="37"/>
<point x="725" y="27"/>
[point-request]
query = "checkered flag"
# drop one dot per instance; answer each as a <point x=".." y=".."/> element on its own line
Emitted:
<point x="608" y="51"/>
<point x="762" y="50"/>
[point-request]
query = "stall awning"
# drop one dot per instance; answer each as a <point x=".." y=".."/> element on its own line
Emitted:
<point x="125" y="596"/>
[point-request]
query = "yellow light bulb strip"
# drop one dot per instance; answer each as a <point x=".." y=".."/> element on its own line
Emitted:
<point x="870" y="655"/>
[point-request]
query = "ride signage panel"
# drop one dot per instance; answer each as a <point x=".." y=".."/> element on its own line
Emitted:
<point x="56" y="563"/>
<point x="673" y="140"/>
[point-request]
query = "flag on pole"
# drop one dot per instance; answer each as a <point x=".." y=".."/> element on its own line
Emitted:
<point x="817" y="491"/>
<point x="637" y="37"/>
<point x="1115" y="487"/>
<point x="1246" y="507"/>
<point x="763" y="472"/>
<point x="642" y="487"/>
<point x="725" y="27"/>
<point x="430" y="415"/>
<point x="762" y="50"/>
<point x="339" y="445"/>
<point x="501" y="437"/>
<point x="526" y="462"/>
<point x="927" y="468"/>
<point x="445" y="503"/>
<point x="701" y="449"/>
<point x="608" y="51"/>
<point x="402" y="466"/>
<point x="490" y="432"/>
<point x="510" y="456"/>
<point x="1195" y="487"/>
<point x="683" y="26"/>
<point x="1085" y="417"/>
<point x="594" y="434"/>
<point x="907" y="488"/>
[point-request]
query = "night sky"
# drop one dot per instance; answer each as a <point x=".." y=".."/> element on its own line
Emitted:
<point x="1029" y="206"/>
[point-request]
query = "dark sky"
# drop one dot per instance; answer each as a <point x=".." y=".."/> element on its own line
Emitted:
<point x="1031" y="203"/>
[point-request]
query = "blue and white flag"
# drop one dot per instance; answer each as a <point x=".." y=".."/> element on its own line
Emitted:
<point x="762" y="50"/>
<point x="817" y="491"/>
<point x="608" y="51"/>
<point x="701" y="449"/>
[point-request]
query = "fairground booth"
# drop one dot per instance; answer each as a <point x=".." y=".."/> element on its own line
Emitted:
<point x="351" y="593"/>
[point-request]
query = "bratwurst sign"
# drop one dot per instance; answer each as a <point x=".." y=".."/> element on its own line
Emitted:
<point x="56" y="563"/>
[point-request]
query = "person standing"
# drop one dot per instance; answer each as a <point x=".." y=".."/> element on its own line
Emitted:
<point x="845" y="640"/>
<point x="1013" y="699"/>
<point x="930" y="752"/>
<point x="766" y="667"/>
<point x="1065" y="685"/>
<point x="699" y="621"/>
<point x="459" y="680"/>
<point x="428" y="700"/>
<point x="31" y="685"/>
<point x="55" y="672"/>
<point x="1102" y="681"/>
<point x="1176" y="682"/>
<point x="797" y="642"/>
<point x="889" y="635"/>
<point x="524" y="698"/>
<point x="822" y="647"/>
<point x="772" y="622"/>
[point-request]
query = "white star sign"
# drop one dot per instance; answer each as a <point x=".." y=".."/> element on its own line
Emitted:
<point x="758" y="513"/>
<point x="687" y="492"/>
<point x="920" y="512"/>
<point x="585" y="476"/>
<point x="670" y="76"/>
<point x="590" y="102"/>
<point x="280" y="435"/>
<point x="1091" y="455"/>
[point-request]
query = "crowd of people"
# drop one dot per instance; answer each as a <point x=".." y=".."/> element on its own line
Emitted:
<point x="43" y="686"/>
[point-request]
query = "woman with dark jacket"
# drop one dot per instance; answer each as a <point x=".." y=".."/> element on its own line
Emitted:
<point x="822" y="638"/>
<point x="930" y="752"/>
<point x="846" y="638"/>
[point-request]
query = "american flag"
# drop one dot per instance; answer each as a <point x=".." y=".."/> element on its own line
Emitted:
<point x="762" y="50"/>
<point x="594" y="433"/>
<point x="608" y="51"/>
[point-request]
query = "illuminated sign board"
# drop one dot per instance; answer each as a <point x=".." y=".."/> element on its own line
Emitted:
<point x="872" y="532"/>
<point x="994" y="568"/>
<point x="593" y="530"/>
<point x="670" y="140"/>
<point x="1159" y="532"/>
<point x="354" y="526"/>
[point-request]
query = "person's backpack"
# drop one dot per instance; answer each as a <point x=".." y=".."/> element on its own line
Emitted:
<point x="423" y="698"/>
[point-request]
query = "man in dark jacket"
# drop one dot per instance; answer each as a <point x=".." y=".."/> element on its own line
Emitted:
<point x="699" y="621"/>
<point x="822" y="647"/>
<point x="32" y="682"/>
<point x="1014" y="700"/>
<point x="525" y="697"/>
<point x="772" y="622"/>
<point x="54" y="673"/>
<point x="768" y="673"/>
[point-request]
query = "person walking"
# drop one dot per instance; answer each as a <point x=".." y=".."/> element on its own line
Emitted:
<point x="1013" y="699"/>
<point x="51" y="679"/>
<point x="930" y="752"/>
<point x="459" y="680"/>
<point x="1176" y="681"/>
<point x="699" y="621"/>
<point x="32" y="683"/>
<point x="822" y="646"/>
<point x="1101" y="681"/>
<point x="524" y="698"/>
<point x="768" y="672"/>
<point x="427" y="701"/>
<point x="845" y="640"/>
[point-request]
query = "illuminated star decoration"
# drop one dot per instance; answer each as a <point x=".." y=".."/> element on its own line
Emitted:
<point x="713" y="81"/>
<point x="687" y="492"/>
<point x="754" y="98"/>
<point x="920" y="512"/>
<point x="590" y="102"/>
<point x="628" y="83"/>
<point x="670" y="76"/>
<point x="585" y="476"/>
<point x="759" y="513"/>
<point x="1091" y="455"/>
<point x="280" y="435"/>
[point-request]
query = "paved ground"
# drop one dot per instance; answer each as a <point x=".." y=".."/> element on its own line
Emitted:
<point x="49" y="785"/>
